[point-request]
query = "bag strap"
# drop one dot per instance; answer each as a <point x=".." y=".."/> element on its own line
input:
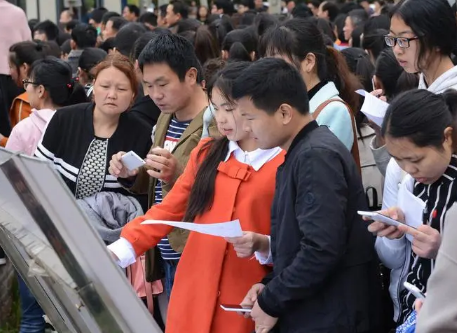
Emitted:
<point x="355" y="147"/>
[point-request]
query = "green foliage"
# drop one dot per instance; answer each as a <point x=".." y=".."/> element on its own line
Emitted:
<point x="12" y="325"/>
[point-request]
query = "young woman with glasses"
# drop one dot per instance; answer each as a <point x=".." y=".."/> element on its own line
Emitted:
<point x="420" y="46"/>
<point x="21" y="57"/>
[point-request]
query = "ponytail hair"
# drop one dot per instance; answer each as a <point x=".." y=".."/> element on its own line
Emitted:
<point x="55" y="76"/>
<point x="26" y="53"/>
<point x="347" y="83"/>
<point x="202" y="194"/>
<point x="409" y="116"/>
<point x="295" y="39"/>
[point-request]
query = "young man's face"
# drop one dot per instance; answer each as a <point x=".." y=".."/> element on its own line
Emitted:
<point x="265" y="129"/>
<point x="109" y="31"/>
<point x="166" y="90"/>
<point x="172" y="17"/>
<point x="128" y="15"/>
<point x="40" y="35"/>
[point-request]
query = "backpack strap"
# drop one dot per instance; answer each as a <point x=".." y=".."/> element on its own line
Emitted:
<point x="355" y="147"/>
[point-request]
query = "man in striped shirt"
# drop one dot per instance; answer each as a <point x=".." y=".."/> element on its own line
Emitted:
<point x="173" y="77"/>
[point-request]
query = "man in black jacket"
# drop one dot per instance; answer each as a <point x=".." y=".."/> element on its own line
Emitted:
<point x="324" y="278"/>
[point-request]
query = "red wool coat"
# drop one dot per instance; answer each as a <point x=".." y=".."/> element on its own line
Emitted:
<point x="209" y="272"/>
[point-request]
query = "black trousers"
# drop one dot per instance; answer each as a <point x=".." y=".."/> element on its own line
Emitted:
<point x="8" y="91"/>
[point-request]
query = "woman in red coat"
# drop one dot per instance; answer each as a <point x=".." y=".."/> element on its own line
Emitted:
<point x="225" y="179"/>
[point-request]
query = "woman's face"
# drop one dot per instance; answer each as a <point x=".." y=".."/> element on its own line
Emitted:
<point x="348" y="28"/>
<point x="203" y="12"/>
<point x="18" y="73"/>
<point x="424" y="164"/>
<point x="406" y="57"/>
<point x="229" y="121"/>
<point x="113" y="92"/>
<point x="35" y="93"/>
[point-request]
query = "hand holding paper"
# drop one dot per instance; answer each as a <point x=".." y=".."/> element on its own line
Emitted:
<point x="374" y="108"/>
<point x="224" y="229"/>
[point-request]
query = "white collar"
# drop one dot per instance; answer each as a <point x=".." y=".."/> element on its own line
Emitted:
<point x="256" y="159"/>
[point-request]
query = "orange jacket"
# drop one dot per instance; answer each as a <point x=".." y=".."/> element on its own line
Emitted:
<point x="20" y="109"/>
<point x="209" y="272"/>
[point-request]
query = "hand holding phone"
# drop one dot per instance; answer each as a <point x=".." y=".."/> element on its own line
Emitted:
<point x="235" y="308"/>
<point x="385" y="223"/>
<point x="132" y="161"/>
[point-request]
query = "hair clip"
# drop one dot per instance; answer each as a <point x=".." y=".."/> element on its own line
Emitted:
<point x="69" y="85"/>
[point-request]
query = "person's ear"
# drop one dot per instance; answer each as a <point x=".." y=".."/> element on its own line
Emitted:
<point x="224" y="55"/>
<point x="191" y="75"/>
<point x="309" y="63"/>
<point x="41" y="91"/>
<point x="377" y="84"/>
<point x="252" y="55"/>
<point x="285" y="112"/>
<point x="72" y="44"/>
<point x="448" y="137"/>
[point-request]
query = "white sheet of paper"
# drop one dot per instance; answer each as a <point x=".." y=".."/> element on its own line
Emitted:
<point x="224" y="229"/>
<point x="374" y="108"/>
<point x="412" y="206"/>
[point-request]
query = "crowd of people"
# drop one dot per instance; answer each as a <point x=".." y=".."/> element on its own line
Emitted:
<point x="239" y="114"/>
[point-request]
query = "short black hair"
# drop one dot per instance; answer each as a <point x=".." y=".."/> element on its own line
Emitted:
<point x="109" y="15"/>
<point x="90" y="58"/>
<point x="270" y="82"/>
<point x="173" y="50"/>
<point x="315" y="3"/>
<point x="71" y="25"/>
<point x="49" y="29"/>
<point x="141" y="42"/>
<point x="97" y="14"/>
<point x="134" y="9"/>
<point x="65" y="48"/>
<point x="332" y="9"/>
<point x="180" y="7"/>
<point x="404" y="119"/>
<point x="302" y="10"/>
<point x="148" y="17"/>
<point x="163" y="10"/>
<point x="118" y="22"/>
<point x="84" y="35"/>
<point x="225" y="5"/>
<point x="358" y="17"/>
<point x="126" y="37"/>
<point x="107" y="45"/>
<point x="248" y="3"/>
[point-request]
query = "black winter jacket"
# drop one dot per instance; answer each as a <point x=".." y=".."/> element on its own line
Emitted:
<point x="325" y="276"/>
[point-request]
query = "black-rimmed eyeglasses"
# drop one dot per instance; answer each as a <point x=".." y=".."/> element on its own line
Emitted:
<point x="403" y="42"/>
<point x="26" y="82"/>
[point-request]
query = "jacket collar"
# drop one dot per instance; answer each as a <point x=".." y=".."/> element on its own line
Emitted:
<point x="164" y="122"/>
<point x="311" y="126"/>
<point x="256" y="158"/>
<point x="446" y="81"/>
<point x="327" y="92"/>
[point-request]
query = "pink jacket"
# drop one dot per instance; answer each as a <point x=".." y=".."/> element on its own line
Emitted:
<point x="26" y="135"/>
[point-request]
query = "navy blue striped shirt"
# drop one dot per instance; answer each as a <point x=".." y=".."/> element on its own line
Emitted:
<point x="174" y="133"/>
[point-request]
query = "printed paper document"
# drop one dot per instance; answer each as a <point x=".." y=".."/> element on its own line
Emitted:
<point x="224" y="229"/>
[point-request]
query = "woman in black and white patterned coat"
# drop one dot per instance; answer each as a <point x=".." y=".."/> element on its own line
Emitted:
<point x="80" y="139"/>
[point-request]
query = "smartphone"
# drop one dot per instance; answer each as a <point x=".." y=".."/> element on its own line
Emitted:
<point x="414" y="290"/>
<point x="132" y="161"/>
<point x="234" y="308"/>
<point x="379" y="218"/>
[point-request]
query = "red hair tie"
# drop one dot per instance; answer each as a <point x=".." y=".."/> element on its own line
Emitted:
<point x="69" y="85"/>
